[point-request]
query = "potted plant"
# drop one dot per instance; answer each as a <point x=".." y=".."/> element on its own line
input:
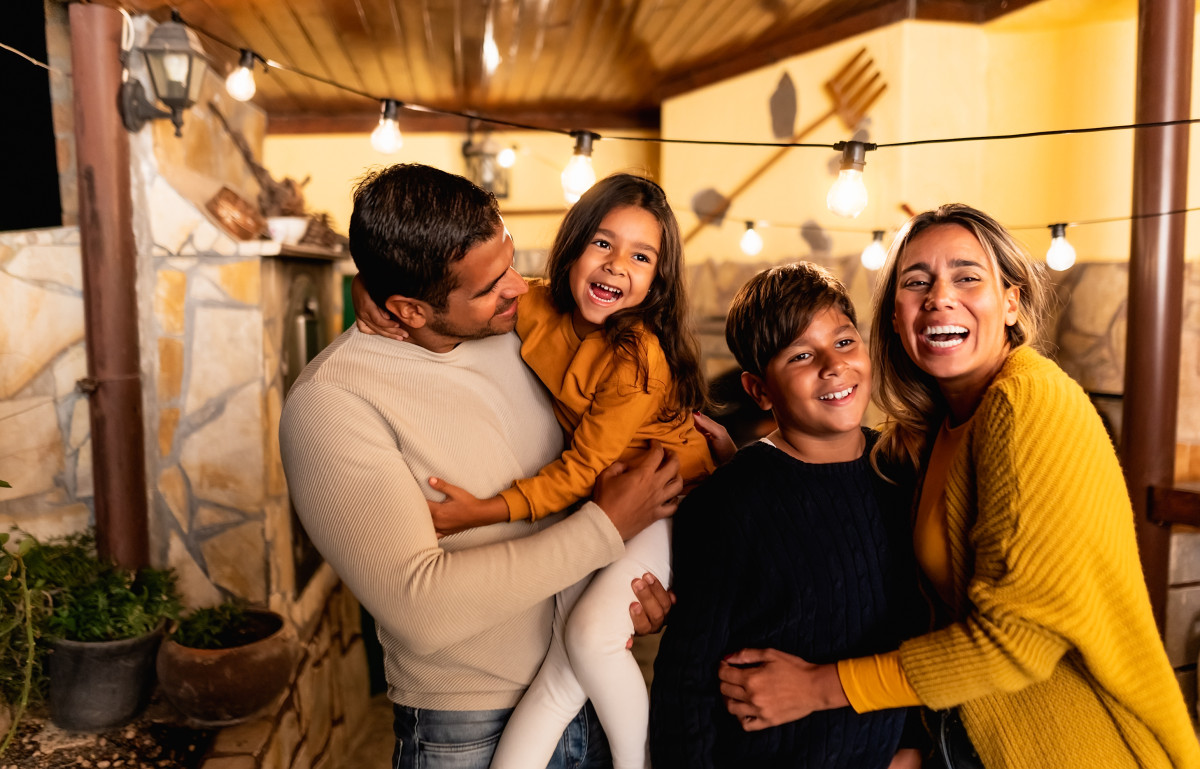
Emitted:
<point x="222" y="664"/>
<point x="102" y="626"/>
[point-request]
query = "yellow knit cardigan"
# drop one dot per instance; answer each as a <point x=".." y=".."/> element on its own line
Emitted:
<point x="1056" y="661"/>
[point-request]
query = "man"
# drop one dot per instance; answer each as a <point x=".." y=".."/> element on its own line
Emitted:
<point x="464" y="622"/>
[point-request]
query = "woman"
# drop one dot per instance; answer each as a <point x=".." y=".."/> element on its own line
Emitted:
<point x="1045" y="649"/>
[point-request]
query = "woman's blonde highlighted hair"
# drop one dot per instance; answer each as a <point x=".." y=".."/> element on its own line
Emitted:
<point x="909" y="397"/>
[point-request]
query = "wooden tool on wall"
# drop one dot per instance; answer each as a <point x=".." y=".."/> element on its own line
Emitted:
<point x="852" y="89"/>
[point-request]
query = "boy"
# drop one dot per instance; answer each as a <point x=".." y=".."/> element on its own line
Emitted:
<point x="795" y="545"/>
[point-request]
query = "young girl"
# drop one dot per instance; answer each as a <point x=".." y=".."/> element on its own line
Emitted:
<point x="608" y="334"/>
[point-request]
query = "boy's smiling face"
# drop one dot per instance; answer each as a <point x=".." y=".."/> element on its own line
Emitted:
<point x="818" y="387"/>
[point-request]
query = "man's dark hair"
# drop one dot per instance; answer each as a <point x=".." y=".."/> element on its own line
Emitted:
<point x="410" y="223"/>
<point x="776" y="306"/>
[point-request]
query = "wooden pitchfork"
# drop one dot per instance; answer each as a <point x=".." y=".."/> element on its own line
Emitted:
<point x="853" y="89"/>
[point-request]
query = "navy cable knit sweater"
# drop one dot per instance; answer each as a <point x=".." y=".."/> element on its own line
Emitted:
<point x="810" y="559"/>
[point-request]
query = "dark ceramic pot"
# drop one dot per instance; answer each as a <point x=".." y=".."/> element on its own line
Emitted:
<point x="217" y="687"/>
<point x="97" y="685"/>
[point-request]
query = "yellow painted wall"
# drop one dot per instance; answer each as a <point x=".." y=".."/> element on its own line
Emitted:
<point x="334" y="162"/>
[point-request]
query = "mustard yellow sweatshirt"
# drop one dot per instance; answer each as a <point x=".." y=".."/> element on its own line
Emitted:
<point x="607" y="414"/>
<point x="1056" y="660"/>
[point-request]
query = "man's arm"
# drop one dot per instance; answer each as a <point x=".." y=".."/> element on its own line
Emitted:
<point x="367" y="514"/>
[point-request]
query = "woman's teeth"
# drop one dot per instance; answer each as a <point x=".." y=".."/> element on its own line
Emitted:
<point x="945" y="336"/>
<point x="837" y="396"/>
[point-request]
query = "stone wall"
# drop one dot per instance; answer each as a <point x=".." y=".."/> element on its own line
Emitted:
<point x="45" y="446"/>
<point x="314" y="724"/>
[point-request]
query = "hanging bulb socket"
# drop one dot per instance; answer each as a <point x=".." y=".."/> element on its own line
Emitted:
<point x="1061" y="254"/>
<point x="874" y="255"/>
<point x="579" y="175"/>
<point x="848" y="195"/>
<point x="240" y="83"/>
<point x="386" y="137"/>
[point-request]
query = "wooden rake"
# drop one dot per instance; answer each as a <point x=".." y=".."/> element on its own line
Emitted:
<point x="852" y="89"/>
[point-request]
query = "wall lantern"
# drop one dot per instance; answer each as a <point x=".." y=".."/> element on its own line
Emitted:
<point x="176" y="63"/>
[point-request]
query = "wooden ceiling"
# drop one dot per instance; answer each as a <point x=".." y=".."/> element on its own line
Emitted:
<point x="563" y="63"/>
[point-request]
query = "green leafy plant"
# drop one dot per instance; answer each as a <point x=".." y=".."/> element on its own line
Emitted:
<point x="224" y="626"/>
<point x="61" y="589"/>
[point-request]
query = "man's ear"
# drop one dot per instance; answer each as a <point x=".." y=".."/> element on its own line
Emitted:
<point x="754" y="387"/>
<point x="411" y="312"/>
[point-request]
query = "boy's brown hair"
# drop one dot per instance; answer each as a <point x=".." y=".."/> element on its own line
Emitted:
<point x="776" y="306"/>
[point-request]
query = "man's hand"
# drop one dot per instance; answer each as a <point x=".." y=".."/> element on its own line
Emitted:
<point x="636" y="495"/>
<point x="649" y="611"/>
<point x="370" y="318"/>
<point x="766" y="687"/>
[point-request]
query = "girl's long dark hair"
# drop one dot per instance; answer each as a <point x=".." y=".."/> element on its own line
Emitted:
<point x="664" y="311"/>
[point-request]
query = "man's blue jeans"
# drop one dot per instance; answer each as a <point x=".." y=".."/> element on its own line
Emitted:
<point x="466" y="739"/>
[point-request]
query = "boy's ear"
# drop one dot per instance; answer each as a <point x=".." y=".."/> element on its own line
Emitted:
<point x="756" y="389"/>
<point x="411" y="312"/>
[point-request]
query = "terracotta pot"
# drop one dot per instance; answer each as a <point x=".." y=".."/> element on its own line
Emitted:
<point x="217" y="687"/>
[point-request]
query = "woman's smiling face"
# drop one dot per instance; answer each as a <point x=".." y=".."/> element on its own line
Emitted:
<point x="952" y="309"/>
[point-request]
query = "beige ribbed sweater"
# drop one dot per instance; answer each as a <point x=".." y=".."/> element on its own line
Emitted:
<point x="1057" y="661"/>
<point x="464" y="623"/>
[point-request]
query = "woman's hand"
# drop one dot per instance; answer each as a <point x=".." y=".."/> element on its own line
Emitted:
<point x="719" y="442"/>
<point x="461" y="511"/>
<point x="766" y="687"/>
<point x="370" y="318"/>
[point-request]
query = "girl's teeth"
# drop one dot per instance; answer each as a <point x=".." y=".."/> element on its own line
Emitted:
<point x="603" y="293"/>
<point x="837" y="396"/>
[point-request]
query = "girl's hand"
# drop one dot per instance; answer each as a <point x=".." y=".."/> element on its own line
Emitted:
<point x="766" y="687"/>
<point x="461" y="511"/>
<point x="719" y="442"/>
<point x="370" y="318"/>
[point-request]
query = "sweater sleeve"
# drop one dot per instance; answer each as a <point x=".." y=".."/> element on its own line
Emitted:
<point x="708" y="552"/>
<point x="1050" y="538"/>
<point x="358" y="498"/>
<point x="619" y="409"/>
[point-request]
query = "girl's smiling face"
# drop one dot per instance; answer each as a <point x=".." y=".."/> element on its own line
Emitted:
<point x="617" y="267"/>
<point x="952" y="311"/>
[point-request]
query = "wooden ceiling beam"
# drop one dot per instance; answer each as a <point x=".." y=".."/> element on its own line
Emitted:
<point x="568" y="119"/>
<point x="812" y="32"/>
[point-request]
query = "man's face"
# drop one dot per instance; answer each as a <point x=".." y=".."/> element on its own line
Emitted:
<point x="484" y="303"/>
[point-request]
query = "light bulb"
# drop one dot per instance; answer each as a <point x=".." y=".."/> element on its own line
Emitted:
<point x="752" y="242"/>
<point x="491" y="54"/>
<point x="848" y="195"/>
<point x="507" y="157"/>
<point x="386" y="137"/>
<point x="1061" y="254"/>
<point x="579" y="176"/>
<point x="240" y="83"/>
<point x="176" y="66"/>
<point x="874" y="255"/>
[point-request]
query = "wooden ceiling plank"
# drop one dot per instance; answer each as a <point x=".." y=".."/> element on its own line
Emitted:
<point x="423" y="83"/>
<point x="671" y="46"/>
<point x="567" y="57"/>
<point x="553" y="30"/>
<point x="594" y="64"/>
<point x="628" y="51"/>
<point x="321" y="28"/>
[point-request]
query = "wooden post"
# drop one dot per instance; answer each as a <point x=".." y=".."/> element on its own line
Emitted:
<point x="109" y="287"/>
<point x="1160" y="166"/>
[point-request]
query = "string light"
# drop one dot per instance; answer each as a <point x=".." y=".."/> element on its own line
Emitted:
<point x="579" y="176"/>
<point x="847" y="148"/>
<point x="240" y="83"/>
<point x="386" y="137"/>
<point x="848" y="195"/>
<point x="874" y="255"/>
<point x="507" y="157"/>
<point x="1061" y="254"/>
<point x="752" y="242"/>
